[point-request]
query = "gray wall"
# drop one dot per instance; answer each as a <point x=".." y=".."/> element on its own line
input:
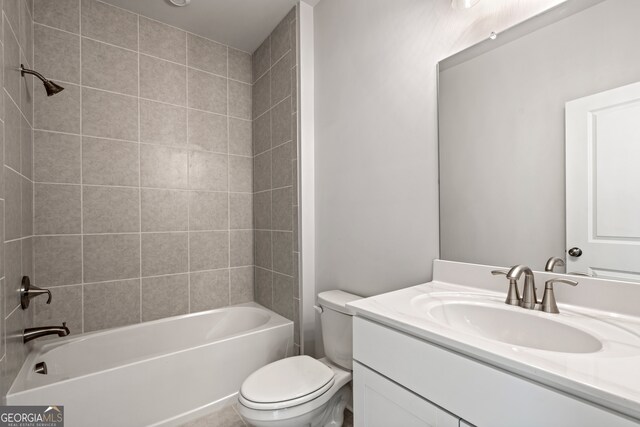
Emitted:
<point x="275" y="178"/>
<point x="16" y="182"/>
<point x="502" y="171"/>
<point x="376" y="137"/>
<point x="142" y="169"/>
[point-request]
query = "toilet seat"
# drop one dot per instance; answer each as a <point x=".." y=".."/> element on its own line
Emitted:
<point x="286" y="383"/>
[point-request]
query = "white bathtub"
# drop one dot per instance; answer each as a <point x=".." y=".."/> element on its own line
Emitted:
<point x="160" y="373"/>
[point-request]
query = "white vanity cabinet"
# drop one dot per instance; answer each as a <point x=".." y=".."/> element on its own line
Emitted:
<point x="401" y="380"/>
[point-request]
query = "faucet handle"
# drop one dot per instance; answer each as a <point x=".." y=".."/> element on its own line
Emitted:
<point x="549" y="299"/>
<point x="513" y="295"/>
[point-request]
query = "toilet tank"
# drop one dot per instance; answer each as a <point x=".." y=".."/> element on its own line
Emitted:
<point x="337" y="330"/>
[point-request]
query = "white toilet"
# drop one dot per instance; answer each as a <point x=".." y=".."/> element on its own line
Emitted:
<point x="302" y="391"/>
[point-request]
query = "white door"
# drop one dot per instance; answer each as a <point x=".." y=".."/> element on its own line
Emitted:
<point x="603" y="184"/>
<point x="379" y="402"/>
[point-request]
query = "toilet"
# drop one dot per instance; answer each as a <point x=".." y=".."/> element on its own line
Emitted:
<point x="302" y="391"/>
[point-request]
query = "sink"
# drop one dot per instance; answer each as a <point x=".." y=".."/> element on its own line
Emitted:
<point x="511" y="325"/>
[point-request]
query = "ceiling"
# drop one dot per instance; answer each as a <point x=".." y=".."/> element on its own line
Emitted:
<point x="242" y="24"/>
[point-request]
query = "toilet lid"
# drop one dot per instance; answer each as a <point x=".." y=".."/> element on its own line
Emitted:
<point x="287" y="382"/>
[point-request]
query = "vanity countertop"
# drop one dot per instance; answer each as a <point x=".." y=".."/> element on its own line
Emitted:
<point x="609" y="377"/>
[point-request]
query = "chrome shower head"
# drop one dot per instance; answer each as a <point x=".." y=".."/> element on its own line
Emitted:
<point x="51" y="87"/>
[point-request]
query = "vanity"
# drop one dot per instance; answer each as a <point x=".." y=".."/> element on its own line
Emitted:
<point x="451" y="353"/>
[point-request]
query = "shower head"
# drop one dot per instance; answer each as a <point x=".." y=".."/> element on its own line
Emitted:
<point x="51" y="87"/>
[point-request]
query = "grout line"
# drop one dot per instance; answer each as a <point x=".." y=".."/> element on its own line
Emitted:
<point x="140" y="173"/>
<point x="81" y="171"/>
<point x="186" y="89"/>
<point x="229" y="188"/>
<point x="134" y="187"/>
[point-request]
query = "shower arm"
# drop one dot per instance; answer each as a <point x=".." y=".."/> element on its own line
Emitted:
<point x="24" y="71"/>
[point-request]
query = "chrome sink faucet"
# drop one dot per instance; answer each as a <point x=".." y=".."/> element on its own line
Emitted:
<point x="529" y="298"/>
<point x="33" y="333"/>
<point x="549" y="299"/>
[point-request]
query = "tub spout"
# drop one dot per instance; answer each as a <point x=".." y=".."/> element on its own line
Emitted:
<point x="33" y="333"/>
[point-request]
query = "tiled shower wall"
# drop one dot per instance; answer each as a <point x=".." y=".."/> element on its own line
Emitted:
<point x="16" y="182"/>
<point x="275" y="178"/>
<point x="142" y="169"/>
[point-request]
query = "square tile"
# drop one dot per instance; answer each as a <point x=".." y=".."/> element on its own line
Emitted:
<point x="109" y="115"/>
<point x="109" y="67"/>
<point x="208" y="211"/>
<point x="240" y="66"/>
<point x="262" y="249"/>
<point x="163" y="41"/>
<point x="281" y="80"/>
<point x="109" y="24"/>
<point x="57" y="209"/>
<point x="110" y="209"/>
<point x="164" y="253"/>
<point x="26" y="187"/>
<point x="208" y="131"/>
<point x="206" y="55"/>
<point x="63" y="14"/>
<point x="59" y="113"/>
<point x="263" y="287"/>
<point x="111" y="304"/>
<point x="261" y="59"/>
<point x="207" y="92"/>
<point x="208" y="171"/>
<point x="280" y="40"/>
<point x="239" y="100"/>
<point x="208" y="250"/>
<point x="282" y="209"/>
<point x="109" y="162"/>
<point x="162" y="80"/>
<point x="262" y="133"/>
<point x="283" y="252"/>
<point x="240" y="174"/>
<point x="162" y="123"/>
<point x="281" y="123"/>
<point x="241" y="285"/>
<point x="56" y="54"/>
<point x="283" y="295"/>
<point x="262" y="210"/>
<point x="11" y="61"/>
<point x="57" y="260"/>
<point x="209" y="290"/>
<point x="66" y="306"/>
<point x="281" y="173"/>
<point x="13" y="205"/>
<point x="261" y="95"/>
<point x="165" y="296"/>
<point x="13" y="129"/>
<point x="240" y="134"/>
<point x="240" y="211"/>
<point x="13" y="274"/>
<point x="262" y="172"/>
<point x="241" y="248"/>
<point x="164" y="210"/>
<point x="163" y="167"/>
<point x="111" y="257"/>
<point x="26" y="149"/>
<point x="56" y="157"/>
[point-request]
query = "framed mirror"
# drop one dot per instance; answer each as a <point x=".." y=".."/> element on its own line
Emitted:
<point x="512" y="184"/>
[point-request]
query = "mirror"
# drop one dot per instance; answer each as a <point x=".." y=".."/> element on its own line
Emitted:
<point x="505" y="196"/>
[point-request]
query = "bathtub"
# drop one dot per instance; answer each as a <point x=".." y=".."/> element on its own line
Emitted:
<point x="160" y="373"/>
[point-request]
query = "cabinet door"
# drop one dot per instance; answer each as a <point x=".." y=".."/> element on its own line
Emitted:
<point x="379" y="402"/>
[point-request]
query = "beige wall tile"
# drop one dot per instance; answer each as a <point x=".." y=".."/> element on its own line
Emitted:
<point x="13" y="274"/>
<point x="281" y="123"/>
<point x="11" y="60"/>
<point x="239" y="100"/>
<point x="162" y="123"/>
<point x="240" y="134"/>
<point x="209" y="290"/>
<point x="109" y="162"/>
<point x="239" y="65"/>
<point x="162" y="80"/>
<point x="27" y="257"/>
<point x="26" y="149"/>
<point x="262" y="133"/>
<point x="240" y="285"/>
<point x="261" y="95"/>
<point x="283" y="295"/>
<point x="163" y="167"/>
<point x="262" y="249"/>
<point x="240" y="211"/>
<point x="282" y="209"/>
<point x="26" y="187"/>
<point x="111" y="257"/>
<point x="280" y="40"/>
<point x="240" y="174"/>
<point x="281" y="174"/>
<point x="208" y="131"/>
<point x="56" y="54"/>
<point x="110" y="209"/>
<point x="283" y="252"/>
<point x="241" y="248"/>
<point x="57" y="260"/>
<point x="57" y="209"/>
<point x="12" y="126"/>
<point x="164" y="253"/>
<point x="206" y="55"/>
<point x="208" y="250"/>
<point x="109" y="24"/>
<point x="108" y="115"/>
<point x="13" y="205"/>
<point x="261" y="60"/>
<point x="262" y="210"/>
<point x="109" y="67"/>
<point x="263" y="287"/>
<point x="58" y="113"/>
<point x="208" y="171"/>
<point x="63" y="14"/>
<point x="164" y="210"/>
<point x="26" y="93"/>
<point x="66" y="306"/>
<point x="281" y="80"/>
<point x="165" y="296"/>
<point x="208" y="211"/>
<point x="207" y="92"/>
<point x="111" y="304"/>
<point x="262" y="171"/>
<point x="163" y="41"/>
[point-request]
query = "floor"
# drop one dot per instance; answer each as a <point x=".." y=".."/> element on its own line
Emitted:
<point x="228" y="417"/>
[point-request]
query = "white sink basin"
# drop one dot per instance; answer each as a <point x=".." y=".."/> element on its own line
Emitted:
<point x="510" y="325"/>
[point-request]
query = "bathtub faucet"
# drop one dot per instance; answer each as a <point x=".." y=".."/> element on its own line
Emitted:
<point x="33" y="333"/>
